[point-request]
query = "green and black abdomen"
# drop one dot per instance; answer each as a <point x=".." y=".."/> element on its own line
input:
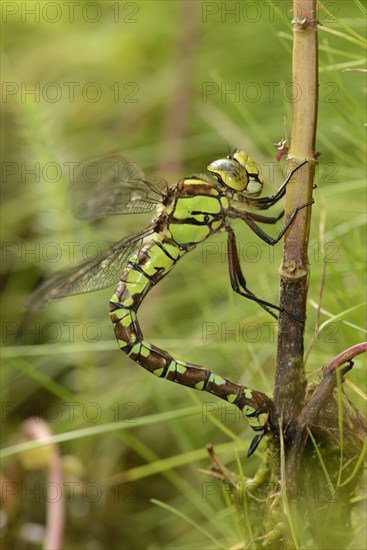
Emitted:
<point x="197" y="210"/>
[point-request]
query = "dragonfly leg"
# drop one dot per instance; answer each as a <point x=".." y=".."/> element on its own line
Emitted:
<point x="265" y="219"/>
<point x="237" y="278"/>
<point x="249" y="219"/>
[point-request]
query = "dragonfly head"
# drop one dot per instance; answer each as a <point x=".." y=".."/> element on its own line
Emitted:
<point x="238" y="172"/>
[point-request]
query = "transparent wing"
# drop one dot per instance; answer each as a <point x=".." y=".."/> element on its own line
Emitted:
<point x="89" y="275"/>
<point x="113" y="185"/>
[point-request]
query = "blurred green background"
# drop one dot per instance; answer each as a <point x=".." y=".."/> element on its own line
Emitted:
<point x="173" y="85"/>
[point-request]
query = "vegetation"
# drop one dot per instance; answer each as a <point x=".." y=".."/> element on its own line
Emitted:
<point x="172" y="92"/>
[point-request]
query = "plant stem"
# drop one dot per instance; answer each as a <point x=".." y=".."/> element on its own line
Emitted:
<point x="290" y="382"/>
<point x="323" y="391"/>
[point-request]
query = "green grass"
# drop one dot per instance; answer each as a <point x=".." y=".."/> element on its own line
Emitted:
<point x="140" y="429"/>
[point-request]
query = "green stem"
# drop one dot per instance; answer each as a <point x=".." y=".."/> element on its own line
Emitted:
<point x="290" y="382"/>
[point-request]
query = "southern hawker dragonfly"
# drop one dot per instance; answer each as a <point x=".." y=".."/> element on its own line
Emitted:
<point x="186" y="214"/>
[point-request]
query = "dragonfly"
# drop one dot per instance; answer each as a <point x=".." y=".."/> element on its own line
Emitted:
<point x="186" y="214"/>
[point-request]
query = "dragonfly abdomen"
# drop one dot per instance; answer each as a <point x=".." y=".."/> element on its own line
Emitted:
<point x="155" y="259"/>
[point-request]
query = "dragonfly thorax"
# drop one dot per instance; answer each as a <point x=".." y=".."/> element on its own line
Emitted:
<point x="238" y="172"/>
<point x="197" y="210"/>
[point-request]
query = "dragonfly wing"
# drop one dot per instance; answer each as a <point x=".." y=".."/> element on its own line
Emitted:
<point x="113" y="185"/>
<point x="89" y="275"/>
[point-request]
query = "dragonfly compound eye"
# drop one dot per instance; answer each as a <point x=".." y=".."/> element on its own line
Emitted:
<point x="230" y="172"/>
<point x="256" y="181"/>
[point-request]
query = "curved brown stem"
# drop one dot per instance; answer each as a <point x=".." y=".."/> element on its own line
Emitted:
<point x="312" y="408"/>
<point x="345" y="356"/>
